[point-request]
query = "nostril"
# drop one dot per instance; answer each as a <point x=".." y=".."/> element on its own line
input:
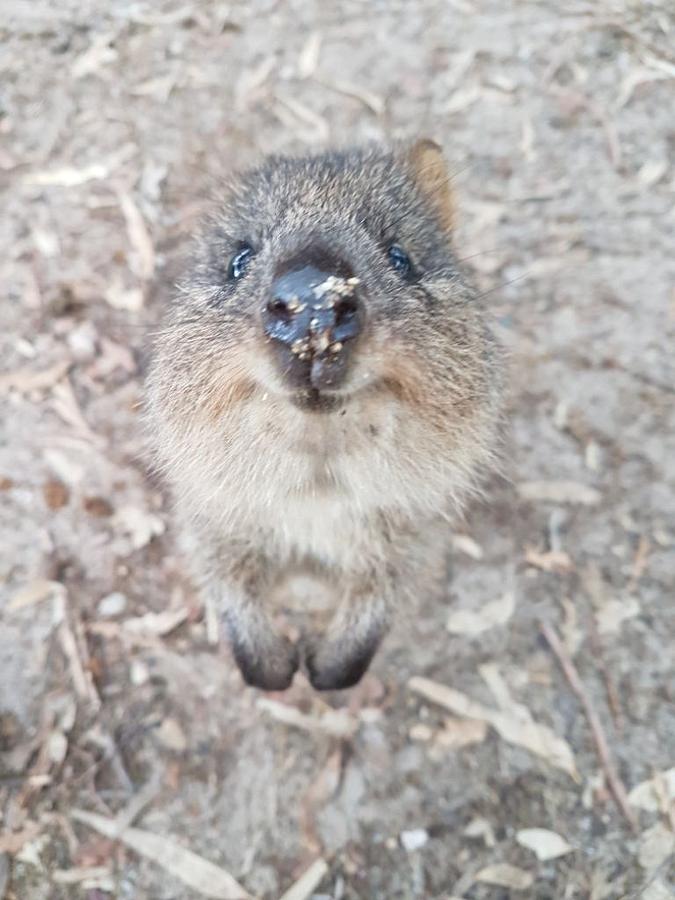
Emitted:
<point x="345" y="310"/>
<point x="279" y="308"/>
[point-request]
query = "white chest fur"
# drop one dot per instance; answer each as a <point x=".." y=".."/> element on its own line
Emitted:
<point x="316" y="485"/>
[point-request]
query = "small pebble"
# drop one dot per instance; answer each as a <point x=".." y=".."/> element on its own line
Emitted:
<point x="420" y="732"/>
<point x="593" y="456"/>
<point x="82" y="342"/>
<point x="112" y="605"/>
<point x="57" y="747"/>
<point x="171" y="736"/>
<point x="138" y="673"/>
<point x="414" y="839"/>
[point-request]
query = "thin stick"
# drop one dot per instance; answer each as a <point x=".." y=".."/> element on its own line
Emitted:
<point x="81" y="676"/>
<point x="601" y="746"/>
<point x="613" y="700"/>
<point x="639" y="564"/>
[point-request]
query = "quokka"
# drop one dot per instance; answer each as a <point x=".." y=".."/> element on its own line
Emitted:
<point x="323" y="396"/>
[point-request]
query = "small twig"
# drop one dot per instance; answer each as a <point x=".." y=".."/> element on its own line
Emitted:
<point x="639" y="563"/>
<point x="613" y="700"/>
<point x="138" y="802"/>
<point x="111" y="754"/>
<point x="663" y="796"/>
<point x="74" y="648"/>
<point x="601" y="746"/>
<point x="211" y="620"/>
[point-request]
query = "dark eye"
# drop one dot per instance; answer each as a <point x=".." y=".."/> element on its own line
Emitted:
<point x="239" y="262"/>
<point x="399" y="259"/>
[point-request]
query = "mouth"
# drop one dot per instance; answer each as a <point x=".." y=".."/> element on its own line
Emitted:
<point x="315" y="401"/>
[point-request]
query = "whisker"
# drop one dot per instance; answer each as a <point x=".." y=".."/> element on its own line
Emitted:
<point x="500" y="286"/>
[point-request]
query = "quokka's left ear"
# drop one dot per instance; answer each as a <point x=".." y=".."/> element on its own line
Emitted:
<point x="425" y="158"/>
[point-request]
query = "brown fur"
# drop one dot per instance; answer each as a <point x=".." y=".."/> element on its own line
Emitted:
<point x="353" y="495"/>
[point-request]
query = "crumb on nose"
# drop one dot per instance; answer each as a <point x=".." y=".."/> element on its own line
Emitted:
<point x="321" y="342"/>
<point x="333" y="289"/>
<point x="300" y="346"/>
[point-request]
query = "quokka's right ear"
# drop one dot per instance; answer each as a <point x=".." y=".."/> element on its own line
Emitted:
<point x="425" y="158"/>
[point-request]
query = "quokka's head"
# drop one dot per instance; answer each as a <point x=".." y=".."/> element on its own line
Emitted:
<point x="323" y="278"/>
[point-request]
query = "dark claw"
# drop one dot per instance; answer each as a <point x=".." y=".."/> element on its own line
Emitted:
<point x="338" y="665"/>
<point x="270" y="670"/>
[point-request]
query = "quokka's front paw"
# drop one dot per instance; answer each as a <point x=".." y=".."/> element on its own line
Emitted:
<point x="338" y="663"/>
<point x="271" y="666"/>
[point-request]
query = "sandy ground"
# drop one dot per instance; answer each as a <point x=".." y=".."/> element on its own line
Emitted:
<point x="116" y="120"/>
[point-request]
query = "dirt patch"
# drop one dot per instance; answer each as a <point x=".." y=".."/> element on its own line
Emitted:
<point x="117" y="120"/>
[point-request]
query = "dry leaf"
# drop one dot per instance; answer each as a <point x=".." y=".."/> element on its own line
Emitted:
<point x="647" y="795"/>
<point x="112" y="356"/>
<point x="572" y="634"/>
<point x="551" y="561"/>
<point x="140" y="526"/>
<point x="505" y="875"/>
<point x="82" y="874"/>
<point x="305" y="886"/>
<point x="98" y="54"/>
<point x="460" y="733"/>
<point x="481" y="828"/>
<point x="35" y="592"/>
<point x="75" y="650"/>
<point x="635" y="79"/>
<point x="158" y="88"/>
<point x="661" y="65"/>
<point x="420" y="732"/>
<point x="317" y="795"/>
<point x="657" y="890"/>
<point x="26" y="380"/>
<point x="251" y="80"/>
<point x="196" y="872"/>
<point x="336" y="722"/>
<point x="156" y="624"/>
<point x="652" y="172"/>
<point x="474" y="622"/>
<point x="515" y="726"/>
<point x="67" y="177"/>
<point x="139" y="237"/>
<point x="308" y="60"/>
<point x="613" y="613"/>
<point x="56" y="494"/>
<point x="63" y="465"/>
<point x="65" y="404"/>
<point x="656" y="845"/>
<point x="559" y="492"/>
<point x="370" y="100"/>
<point x="306" y="116"/>
<point x="499" y="689"/>
<point x="57" y="747"/>
<point x="544" y="843"/>
<point x="128" y="299"/>
<point x="462" y="99"/>
<point x="171" y="735"/>
<point x="13" y="841"/>
<point x="467" y="545"/>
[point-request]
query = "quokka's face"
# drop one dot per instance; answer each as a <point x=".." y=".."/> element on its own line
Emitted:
<point x="325" y="277"/>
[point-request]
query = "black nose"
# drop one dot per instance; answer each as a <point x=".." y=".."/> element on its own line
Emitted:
<point x="313" y="316"/>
